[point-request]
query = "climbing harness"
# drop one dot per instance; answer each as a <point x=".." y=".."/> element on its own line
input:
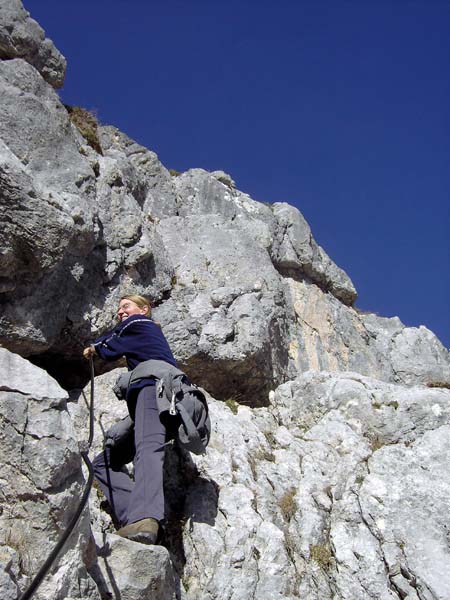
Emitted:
<point x="84" y="454"/>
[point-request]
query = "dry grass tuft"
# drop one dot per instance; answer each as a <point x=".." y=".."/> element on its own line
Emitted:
<point x="87" y="125"/>
<point x="439" y="384"/>
<point x="287" y="504"/>
<point x="322" y="555"/>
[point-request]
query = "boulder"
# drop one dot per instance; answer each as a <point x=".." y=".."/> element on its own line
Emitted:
<point x="136" y="571"/>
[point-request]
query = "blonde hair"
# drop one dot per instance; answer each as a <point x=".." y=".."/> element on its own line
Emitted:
<point x="141" y="301"/>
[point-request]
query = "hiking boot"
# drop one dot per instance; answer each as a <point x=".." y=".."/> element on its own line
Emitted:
<point x="144" y="531"/>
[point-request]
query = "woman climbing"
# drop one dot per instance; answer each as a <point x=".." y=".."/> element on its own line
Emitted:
<point x="138" y="506"/>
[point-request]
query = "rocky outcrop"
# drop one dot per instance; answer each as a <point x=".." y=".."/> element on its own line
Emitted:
<point x="245" y="294"/>
<point x="337" y="489"/>
<point x="41" y="485"/>
<point x="236" y="284"/>
<point x="22" y="37"/>
<point x="326" y="335"/>
<point x="295" y="252"/>
<point x="326" y="473"/>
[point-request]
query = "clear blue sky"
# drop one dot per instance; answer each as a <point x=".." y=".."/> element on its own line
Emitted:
<point x="341" y="108"/>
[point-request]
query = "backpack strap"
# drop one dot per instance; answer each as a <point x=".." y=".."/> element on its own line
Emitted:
<point x="193" y="441"/>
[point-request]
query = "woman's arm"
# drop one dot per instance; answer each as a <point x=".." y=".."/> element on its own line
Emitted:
<point x="108" y="346"/>
<point x="125" y="340"/>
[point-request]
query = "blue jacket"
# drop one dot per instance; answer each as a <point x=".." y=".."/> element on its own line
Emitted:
<point x="137" y="338"/>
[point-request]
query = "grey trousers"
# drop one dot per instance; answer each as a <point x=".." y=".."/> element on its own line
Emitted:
<point x="143" y="498"/>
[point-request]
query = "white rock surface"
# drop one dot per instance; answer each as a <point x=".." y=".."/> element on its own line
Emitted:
<point x="18" y="375"/>
<point x="135" y="571"/>
<point x="338" y="489"/>
<point x="41" y="485"/>
<point x="347" y="478"/>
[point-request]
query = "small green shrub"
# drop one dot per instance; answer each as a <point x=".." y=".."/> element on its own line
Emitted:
<point x="253" y="466"/>
<point x="394" y="404"/>
<point x="153" y="219"/>
<point x="174" y="172"/>
<point x="226" y="181"/>
<point x="15" y="538"/>
<point x="232" y="405"/>
<point x="364" y="313"/>
<point x="87" y="125"/>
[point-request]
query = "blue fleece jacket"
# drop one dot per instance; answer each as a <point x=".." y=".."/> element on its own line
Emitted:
<point x="137" y="338"/>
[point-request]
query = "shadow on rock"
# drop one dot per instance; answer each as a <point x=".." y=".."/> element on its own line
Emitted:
<point x="190" y="499"/>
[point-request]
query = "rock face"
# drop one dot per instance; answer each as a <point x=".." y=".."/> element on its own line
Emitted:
<point x="22" y="37"/>
<point x="331" y="492"/>
<point x="41" y="484"/>
<point x="339" y="488"/>
<point x="326" y="475"/>
<point x="235" y="283"/>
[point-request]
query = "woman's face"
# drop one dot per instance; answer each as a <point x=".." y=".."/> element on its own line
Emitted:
<point x="128" y="308"/>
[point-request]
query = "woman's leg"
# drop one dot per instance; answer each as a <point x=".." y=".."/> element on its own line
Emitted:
<point x="147" y="496"/>
<point x="114" y="483"/>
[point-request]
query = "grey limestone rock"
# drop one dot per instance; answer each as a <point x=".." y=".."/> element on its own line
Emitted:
<point x="417" y="355"/>
<point x="223" y="312"/>
<point x="337" y="489"/>
<point x="41" y="485"/>
<point x="135" y="571"/>
<point x="146" y="178"/>
<point x="94" y="244"/>
<point x="326" y="475"/>
<point x="324" y="334"/>
<point x="22" y="37"/>
<point x="224" y="178"/>
<point x="296" y="252"/>
<point x="36" y="128"/>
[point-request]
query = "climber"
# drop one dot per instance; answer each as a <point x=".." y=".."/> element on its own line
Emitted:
<point x="138" y="506"/>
